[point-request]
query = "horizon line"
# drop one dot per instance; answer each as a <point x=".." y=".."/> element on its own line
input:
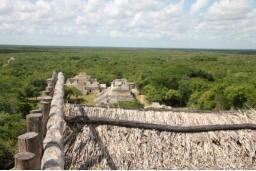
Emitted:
<point x="131" y="47"/>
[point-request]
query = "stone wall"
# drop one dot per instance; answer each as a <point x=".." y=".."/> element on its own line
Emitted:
<point x="42" y="146"/>
<point x="53" y="157"/>
<point x="85" y="84"/>
<point x="104" y="146"/>
<point x="52" y="137"/>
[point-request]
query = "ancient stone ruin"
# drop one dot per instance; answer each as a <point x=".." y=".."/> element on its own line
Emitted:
<point x="86" y="84"/>
<point x="114" y="138"/>
<point x="70" y="136"/>
<point x="42" y="146"/>
<point x="120" y="90"/>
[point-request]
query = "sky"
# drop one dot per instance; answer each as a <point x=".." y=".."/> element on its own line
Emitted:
<point x="213" y="24"/>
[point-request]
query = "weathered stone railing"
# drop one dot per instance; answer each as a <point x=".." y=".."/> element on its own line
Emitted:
<point x="42" y="146"/>
<point x="34" y="153"/>
<point x="53" y="157"/>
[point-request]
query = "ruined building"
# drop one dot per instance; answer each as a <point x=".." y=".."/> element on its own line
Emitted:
<point x="97" y="138"/>
<point x="86" y="84"/>
<point x="70" y="136"/>
<point x="120" y="90"/>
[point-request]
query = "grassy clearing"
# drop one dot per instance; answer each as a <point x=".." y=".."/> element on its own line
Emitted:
<point x="87" y="99"/>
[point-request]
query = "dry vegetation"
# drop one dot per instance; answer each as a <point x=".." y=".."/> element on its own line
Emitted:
<point x="113" y="147"/>
<point x="139" y="98"/>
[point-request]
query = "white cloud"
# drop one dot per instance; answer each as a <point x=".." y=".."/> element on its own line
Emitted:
<point x="118" y="34"/>
<point x="5" y="7"/>
<point x="82" y="32"/>
<point x="233" y="29"/>
<point x="137" y="20"/>
<point x="229" y="10"/>
<point x="149" y="5"/>
<point x="197" y="6"/>
<point x="227" y="19"/>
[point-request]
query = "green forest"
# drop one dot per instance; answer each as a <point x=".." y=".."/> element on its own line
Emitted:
<point x="184" y="78"/>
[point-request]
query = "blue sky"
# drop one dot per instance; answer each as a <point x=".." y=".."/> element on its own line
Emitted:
<point x="223" y="24"/>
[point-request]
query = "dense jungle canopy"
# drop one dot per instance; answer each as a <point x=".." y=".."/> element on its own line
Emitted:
<point x="185" y="78"/>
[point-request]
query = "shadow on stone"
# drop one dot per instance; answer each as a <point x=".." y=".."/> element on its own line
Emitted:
<point x="105" y="152"/>
<point x="49" y="164"/>
<point x="53" y="143"/>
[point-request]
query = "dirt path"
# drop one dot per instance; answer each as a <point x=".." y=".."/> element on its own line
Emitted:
<point x="9" y="61"/>
<point x="140" y="98"/>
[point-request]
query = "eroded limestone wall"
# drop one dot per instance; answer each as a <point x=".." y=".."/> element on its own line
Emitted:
<point x="91" y="146"/>
<point x="53" y="157"/>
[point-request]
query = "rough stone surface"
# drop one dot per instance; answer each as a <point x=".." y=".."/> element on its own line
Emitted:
<point x="120" y="90"/>
<point x="112" y="147"/>
<point x="53" y="157"/>
<point x="25" y="161"/>
<point x="85" y="84"/>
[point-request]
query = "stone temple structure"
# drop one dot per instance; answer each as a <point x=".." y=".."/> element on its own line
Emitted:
<point x="120" y="90"/>
<point x="78" y="137"/>
<point x="86" y="84"/>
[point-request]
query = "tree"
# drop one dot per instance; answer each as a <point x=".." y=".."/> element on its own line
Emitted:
<point x="71" y="91"/>
<point x="220" y="97"/>
<point x="11" y="126"/>
<point x="193" y="99"/>
<point x="207" y="100"/>
<point x="237" y="95"/>
<point x="154" y="94"/>
<point x="189" y="86"/>
<point x="173" y="98"/>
